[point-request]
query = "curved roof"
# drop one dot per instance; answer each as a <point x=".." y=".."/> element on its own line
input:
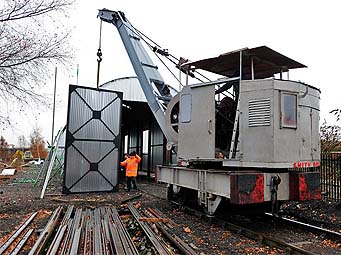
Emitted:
<point x="130" y="86"/>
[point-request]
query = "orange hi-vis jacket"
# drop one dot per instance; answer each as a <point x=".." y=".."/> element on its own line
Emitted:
<point x="131" y="165"/>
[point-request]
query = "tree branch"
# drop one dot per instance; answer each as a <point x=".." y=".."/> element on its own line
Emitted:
<point x="23" y="9"/>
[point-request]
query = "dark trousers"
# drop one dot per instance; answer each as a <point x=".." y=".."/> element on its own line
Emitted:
<point x="131" y="183"/>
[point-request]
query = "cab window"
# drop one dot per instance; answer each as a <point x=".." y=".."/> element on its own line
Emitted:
<point x="288" y="110"/>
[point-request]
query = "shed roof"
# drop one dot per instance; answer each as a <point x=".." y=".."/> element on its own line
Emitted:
<point x="267" y="62"/>
<point x="130" y="86"/>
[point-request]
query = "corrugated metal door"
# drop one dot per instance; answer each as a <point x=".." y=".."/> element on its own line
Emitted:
<point x="92" y="140"/>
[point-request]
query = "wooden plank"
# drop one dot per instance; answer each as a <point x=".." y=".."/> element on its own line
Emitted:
<point x="145" y="219"/>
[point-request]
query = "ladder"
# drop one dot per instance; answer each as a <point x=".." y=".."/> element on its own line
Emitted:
<point x="234" y="134"/>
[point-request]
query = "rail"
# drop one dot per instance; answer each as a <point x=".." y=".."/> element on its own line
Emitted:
<point x="158" y="243"/>
<point x="257" y="236"/>
<point x="329" y="233"/>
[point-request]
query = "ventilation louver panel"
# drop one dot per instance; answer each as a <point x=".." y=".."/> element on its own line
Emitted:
<point x="259" y="112"/>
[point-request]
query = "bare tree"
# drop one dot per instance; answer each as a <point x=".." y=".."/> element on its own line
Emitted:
<point x="337" y="113"/>
<point x="330" y="137"/>
<point x="38" y="146"/>
<point x="22" y="142"/>
<point x="32" y="40"/>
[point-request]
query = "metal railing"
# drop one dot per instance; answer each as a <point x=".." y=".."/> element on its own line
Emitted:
<point x="331" y="175"/>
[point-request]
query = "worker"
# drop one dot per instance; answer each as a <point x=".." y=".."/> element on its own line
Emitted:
<point x="131" y="165"/>
<point x="221" y="155"/>
<point x="126" y="156"/>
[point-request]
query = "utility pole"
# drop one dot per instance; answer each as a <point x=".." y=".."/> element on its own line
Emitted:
<point x="54" y="103"/>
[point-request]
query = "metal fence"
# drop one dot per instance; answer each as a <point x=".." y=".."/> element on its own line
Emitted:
<point x="331" y="175"/>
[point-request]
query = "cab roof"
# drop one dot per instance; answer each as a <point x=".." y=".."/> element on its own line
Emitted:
<point x="266" y="62"/>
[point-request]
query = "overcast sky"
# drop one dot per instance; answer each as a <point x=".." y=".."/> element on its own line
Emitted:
<point x="306" y="31"/>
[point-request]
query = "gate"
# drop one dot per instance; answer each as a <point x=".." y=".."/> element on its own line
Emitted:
<point x="92" y="140"/>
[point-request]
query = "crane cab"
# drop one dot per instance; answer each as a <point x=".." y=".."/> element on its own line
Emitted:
<point x="254" y="120"/>
<point x="241" y="136"/>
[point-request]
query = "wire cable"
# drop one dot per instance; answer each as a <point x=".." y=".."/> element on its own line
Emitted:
<point x="158" y="50"/>
<point x="143" y="36"/>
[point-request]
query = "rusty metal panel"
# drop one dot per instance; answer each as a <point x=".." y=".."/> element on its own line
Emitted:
<point x="92" y="140"/>
<point x="247" y="188"/>
<point x="305" y="186"/>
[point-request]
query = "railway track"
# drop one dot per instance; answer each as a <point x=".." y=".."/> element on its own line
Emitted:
<point x="17" y="235"/>
<point x="110" y="230"/>
<point x="99" y="231"/>
<point x="315" y="229"/>
<point x="269" y="238"/>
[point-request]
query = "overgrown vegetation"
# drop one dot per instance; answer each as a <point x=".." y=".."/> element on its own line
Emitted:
<point x="3" y="148"/>
<point x="330" y="137"/>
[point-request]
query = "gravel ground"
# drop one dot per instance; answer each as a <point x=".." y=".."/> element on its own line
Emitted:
<point x="326" y="214"/>
<point x="20" y="198"/>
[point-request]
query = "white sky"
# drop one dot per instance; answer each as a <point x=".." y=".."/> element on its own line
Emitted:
<point x="306" y="31"/>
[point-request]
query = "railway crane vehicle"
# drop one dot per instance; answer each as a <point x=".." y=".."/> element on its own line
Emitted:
<point x="243" y="138"/>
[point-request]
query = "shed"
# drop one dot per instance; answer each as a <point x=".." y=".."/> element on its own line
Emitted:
<point x="140" y="130"/>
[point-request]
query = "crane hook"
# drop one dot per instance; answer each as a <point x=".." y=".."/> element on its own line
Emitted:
<point x="99" y="53"/>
